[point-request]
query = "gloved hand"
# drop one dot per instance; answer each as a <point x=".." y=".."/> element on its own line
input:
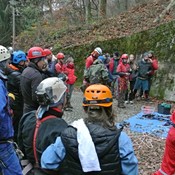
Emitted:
<point x="148" y="73"/>
<point x="127" y="73"/>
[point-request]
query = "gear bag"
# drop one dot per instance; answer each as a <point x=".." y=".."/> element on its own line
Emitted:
<point x="28" y="168"/>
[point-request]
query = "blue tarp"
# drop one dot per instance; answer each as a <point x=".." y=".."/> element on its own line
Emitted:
<point x="156" y="124"/>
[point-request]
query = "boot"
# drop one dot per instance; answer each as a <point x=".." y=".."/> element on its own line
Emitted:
<point x="69" y="105"/>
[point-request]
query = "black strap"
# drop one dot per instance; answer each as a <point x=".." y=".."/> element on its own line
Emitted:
<point x="9" y="140"/>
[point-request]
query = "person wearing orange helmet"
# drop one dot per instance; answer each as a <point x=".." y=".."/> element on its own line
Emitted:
<point x="123" y="71"/>
<point x="93" y="145"/>
<point x="32" y="76"/>
<point x="168" y="161"/>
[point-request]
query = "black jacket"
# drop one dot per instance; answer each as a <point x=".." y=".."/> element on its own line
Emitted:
<point x="48" y="132"/>
<point x="106" y="144"/>
<point x="30" y="79"/>
<point x="13" y="86"/>
<point x="144" y="69"/>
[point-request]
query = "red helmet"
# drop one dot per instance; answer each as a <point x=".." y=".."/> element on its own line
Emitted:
<point x="35" y="52"/>
<point x="47" y="52"/>
<point x="124" y="56"/>
<point x="60" y="56"/>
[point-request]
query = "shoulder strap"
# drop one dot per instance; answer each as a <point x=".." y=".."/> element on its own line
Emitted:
<point x="38" y="123"/>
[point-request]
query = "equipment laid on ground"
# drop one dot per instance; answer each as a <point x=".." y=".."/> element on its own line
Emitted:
<point x="164" y="108"/>
<point x="147" y="110"/>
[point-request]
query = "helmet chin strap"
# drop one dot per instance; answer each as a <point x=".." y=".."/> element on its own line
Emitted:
<point x="41" y="110"/>
<point x="44" y="67"/>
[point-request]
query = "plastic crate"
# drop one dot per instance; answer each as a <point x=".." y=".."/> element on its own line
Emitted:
<point x="164" y="109"/>
<point x="147" y="110"/>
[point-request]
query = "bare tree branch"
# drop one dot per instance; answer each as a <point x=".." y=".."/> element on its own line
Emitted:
<point x="170" y="5"/>
<point x="96" y="5"/>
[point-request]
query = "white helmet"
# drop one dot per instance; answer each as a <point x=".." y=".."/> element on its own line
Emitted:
<point x="99" y="50"/>
<point x="4" y="53"/>
<point x="50" y="92"/>
<point x="10" y="49"/>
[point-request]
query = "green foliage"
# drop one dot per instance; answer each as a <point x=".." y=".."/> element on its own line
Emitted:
<point x="29" y="16"/>
<point x="5" y="23"/>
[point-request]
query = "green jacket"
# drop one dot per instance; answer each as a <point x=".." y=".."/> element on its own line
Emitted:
<point x="97" y="73"/>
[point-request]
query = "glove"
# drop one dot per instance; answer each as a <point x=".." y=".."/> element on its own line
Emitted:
<point x="127" y="73"/>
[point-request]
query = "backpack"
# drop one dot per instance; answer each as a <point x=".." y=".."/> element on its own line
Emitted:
<point x="28" y="168"/>
<point x="98" y="73"/>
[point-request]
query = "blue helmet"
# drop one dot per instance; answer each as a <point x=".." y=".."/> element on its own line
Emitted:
<point x="102" y="58"/>
<point x="18" y="56"/>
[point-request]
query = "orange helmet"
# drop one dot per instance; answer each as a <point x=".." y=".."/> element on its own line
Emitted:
<point x="60" y="56"/>
<point x="124" y="56"/>
<point x="98" y="95"/>
<point x="35" y="52"/>
<point x="47" y="52"/>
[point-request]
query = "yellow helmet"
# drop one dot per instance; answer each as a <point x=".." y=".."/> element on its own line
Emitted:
<point x="97" y="95"/>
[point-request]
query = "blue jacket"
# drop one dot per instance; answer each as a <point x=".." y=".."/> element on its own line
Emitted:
<point x="55" y="153"/>
<point x="6" y="128"/>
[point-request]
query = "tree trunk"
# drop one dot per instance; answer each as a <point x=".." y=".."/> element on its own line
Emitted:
<point x="123" y="4"/>
<point x="50" y="8"/>
<point x="102" y="9"/>
<point x="88" y="15"/>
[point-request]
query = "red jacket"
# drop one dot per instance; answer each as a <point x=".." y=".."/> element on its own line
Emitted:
<point x="123" y="79"/>
<point x="154" y="65"/>
<point x="168" y="161"/>
<point x="89" y="61"/>
<point x="60" y="68"/>
<point x="111" y="65"/>
<point x="123" y="68"/>
<point x="71" y="77"/>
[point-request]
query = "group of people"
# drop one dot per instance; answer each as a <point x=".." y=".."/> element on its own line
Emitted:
<point x="91" y="145"/>
<point x="126" y="77"/>
<point x="21" y="74"/>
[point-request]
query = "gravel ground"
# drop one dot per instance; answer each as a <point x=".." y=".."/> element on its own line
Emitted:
<point x="148" y="149"/>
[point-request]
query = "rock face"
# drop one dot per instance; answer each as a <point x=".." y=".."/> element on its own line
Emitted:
<point x="160" y="39"/>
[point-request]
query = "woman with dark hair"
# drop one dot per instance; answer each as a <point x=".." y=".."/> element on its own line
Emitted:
<point x="94" y="144"/>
